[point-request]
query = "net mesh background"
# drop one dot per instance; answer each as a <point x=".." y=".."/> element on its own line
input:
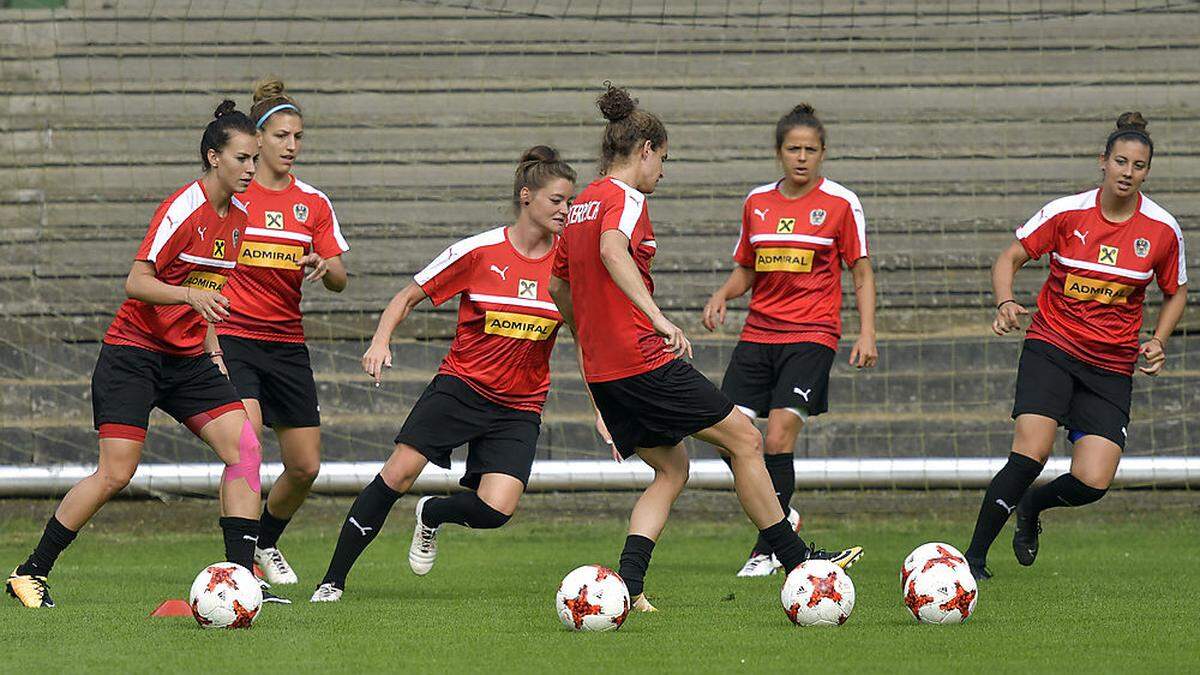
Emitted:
<point x="953" y="122"/>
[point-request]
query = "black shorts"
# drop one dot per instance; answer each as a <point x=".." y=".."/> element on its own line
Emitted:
<point x="1083" y="398"/>
<point x="130" y="381"/>
<point x="276" y="374"/>
<point x="659" y="408"/>
<point x="499" y="439"/>
<point x="763" y="377"/>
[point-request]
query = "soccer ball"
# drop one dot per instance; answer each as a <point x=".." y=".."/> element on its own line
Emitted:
<point x="592" y="598"/>
<point x="818" y="593"/>
<point x="941" y="593"/>
<point x="225" y="595"/>
<point x="927" y="556"/>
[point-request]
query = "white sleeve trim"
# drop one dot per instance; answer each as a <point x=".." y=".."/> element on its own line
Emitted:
<point x="860" y="218"/>
<point x="337" y="228"/>
<point x="1077" y="202"/>
<point x="631" y="211"/>
<point x="181" y="208"/>
<point x="456" y="251"/>
<point x="1152" y="210"/>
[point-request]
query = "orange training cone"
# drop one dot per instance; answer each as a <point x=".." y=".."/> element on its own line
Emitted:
<point x="172" y="608"/>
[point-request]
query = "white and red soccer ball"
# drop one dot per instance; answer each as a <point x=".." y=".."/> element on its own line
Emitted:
<point x="818" y="593"/>
<point x="592" y="598"/>
<point x="225" y="595"/>
<point x="937" y="585"/>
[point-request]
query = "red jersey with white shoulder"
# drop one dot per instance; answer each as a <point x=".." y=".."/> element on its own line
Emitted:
<point x="189" y="245"/>
<point x="796" y="248"/>
<point x="1091" y="304"/>
<point x="618" y="340"/>
<point x="507" y="322"/>
<point x="264" y="290"/>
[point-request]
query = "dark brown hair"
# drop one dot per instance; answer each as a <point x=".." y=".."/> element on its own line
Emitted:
<point x="628" y="126"/>
<point x="227" y="119"/>
<point x="268" y="93"/>
<point x="803" y="115"/>
<point x="537" y="167"/>
<point x="1130" y="126"/>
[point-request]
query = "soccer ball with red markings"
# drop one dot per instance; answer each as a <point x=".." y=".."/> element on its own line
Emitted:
<point x="927" y="556"/>
<point x="940" y="593"/>
<point x="818" y="593"/>
<point x="225" y="595"/>
<point x="592" y="598"/>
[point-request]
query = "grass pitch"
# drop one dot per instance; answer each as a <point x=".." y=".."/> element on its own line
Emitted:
<point x="1115" y="589"/>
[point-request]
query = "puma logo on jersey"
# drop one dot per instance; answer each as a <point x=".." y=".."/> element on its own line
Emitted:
<point x="200" y="231"/>
<point x="803" y="392"/>
<point x="761" y="213"/>
<point x="1082" y="236"/>
<point x="363" y="530"/>
<point x="502" y="272"/>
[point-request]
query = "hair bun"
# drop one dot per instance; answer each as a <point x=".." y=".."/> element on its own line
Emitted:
<point x="616" y="104"/>
<point x="539" y="153"/>
<point x="804" y="109"/>
<point x="226" y="107"/>
<point x="1131" y="121"/>
<point x="268" y="88"/>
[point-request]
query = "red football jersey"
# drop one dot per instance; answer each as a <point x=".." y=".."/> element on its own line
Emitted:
<point x="617" y="339"/>
<point x="507" y="322"/>
<point x="189" y="245"/>
<point x="264" y="290"/>
<point x="796" y="248"/>
<point x="1091" y="304"/>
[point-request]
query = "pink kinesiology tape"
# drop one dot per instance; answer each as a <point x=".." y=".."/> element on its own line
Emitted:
<point x="249" y="462"/>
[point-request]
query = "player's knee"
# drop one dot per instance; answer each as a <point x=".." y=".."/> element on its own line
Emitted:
<point x="248" y="464"/>
<point x="485" y="517"/>
<point x="303" y="473"/>
<point x="115" y="479"/>
<point x="674" y="472"/>
<point x="746" y="442"/>
<point x="778" y="444"/>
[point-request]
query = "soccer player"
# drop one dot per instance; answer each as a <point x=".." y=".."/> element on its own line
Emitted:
<point x="1077" y="364"/>
<point x="650" y="398"/>
<point x="796" y="234"/>
<point x="490" y="389"/>
<point x="292" y="236"/>
<point x="154" y="355"/>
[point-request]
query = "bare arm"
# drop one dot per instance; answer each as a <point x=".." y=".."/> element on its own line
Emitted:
<point x="330" y="271"/>
<point x="740" y="280"/>
<point x="379" y="355"/>
<point x="614" y="252"/>
<point x="865" y="353"/>
<point x="1154" y="349"/>
<point x="212" y="347"/>
<point x="141" y="284"/>
<point x="560" y="292"/>
<point x="1004" y="270"/>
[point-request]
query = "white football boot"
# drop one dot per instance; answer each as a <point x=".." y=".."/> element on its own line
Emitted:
<point x="423" y="551"/>
<point x="274" y="566"/>
<point x="326" y="593"/>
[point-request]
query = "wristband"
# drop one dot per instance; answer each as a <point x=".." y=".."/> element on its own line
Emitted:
<point x="1161" y="345"/>
<point x="1004" y="303"/>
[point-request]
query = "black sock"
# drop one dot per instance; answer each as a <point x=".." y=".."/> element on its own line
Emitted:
<point x="1066" y="490"/>
<point x="782" y="469"/>
<point x="55" y="538"/>
<point x="270" y="528"/>
<point x="241" y="534"/>
<point x="635" y="560"/>
<point x="1003" y="494"/>
<point x="784" y="541"/>
<point x="464" y="508"/>
<point x="362" y="524"/>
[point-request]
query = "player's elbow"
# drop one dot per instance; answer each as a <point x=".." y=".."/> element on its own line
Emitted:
<point x="558" y="290"/>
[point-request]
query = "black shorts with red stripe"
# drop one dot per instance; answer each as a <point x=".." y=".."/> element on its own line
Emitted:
<point x="660" y="407"/>
<point x="130" y="381"/>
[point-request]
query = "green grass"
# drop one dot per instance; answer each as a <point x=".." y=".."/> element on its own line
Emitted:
<point x="1115" y="589"/>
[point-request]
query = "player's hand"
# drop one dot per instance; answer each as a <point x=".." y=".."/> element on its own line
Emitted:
<point x="376" y="358"/>
<point x="1008" y="317"/>
<point x="602" y="429"/>
<point x="210" y="305"/>
<point x="318" y="265"/>
<point x="677" y="342"/>
<point x="1152" y="351"/>
<point x="220" y="364"/>
<point x="714" y="311"/>
<point x="864" y="354"/>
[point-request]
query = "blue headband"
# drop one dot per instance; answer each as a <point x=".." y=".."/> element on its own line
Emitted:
<point x="272" y="111"/>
